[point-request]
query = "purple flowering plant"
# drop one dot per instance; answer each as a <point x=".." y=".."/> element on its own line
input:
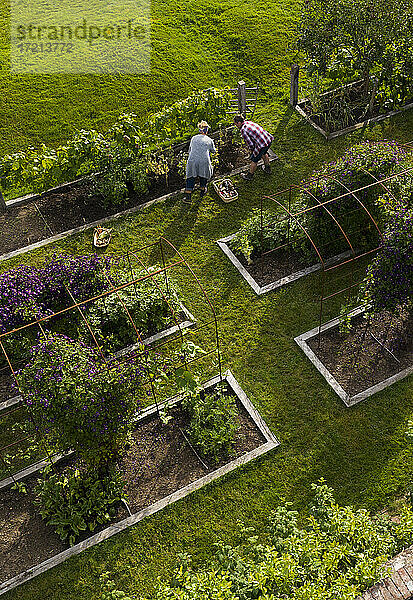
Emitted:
<point x="80" y="402"/>
<point x="28" y="293"/>
<point x="389" y="280"/>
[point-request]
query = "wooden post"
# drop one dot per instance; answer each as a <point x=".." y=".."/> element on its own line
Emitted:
<point x="242" y="98"/>
<point x="3" y="206"/>
<point x="373" y="95"/>
<point x="295" y="70"/>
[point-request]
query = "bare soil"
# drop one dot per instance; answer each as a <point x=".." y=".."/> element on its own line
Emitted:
<point x="158" y="463"/>
<point x="370" y="353"/>
<point x="57" y="212"/>
<point x="275" y="265"/>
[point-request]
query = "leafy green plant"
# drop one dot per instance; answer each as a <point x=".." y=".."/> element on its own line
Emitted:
<point x="75" y="502"/>
<point x="112" y="160"/>
<point x="112" y="187"/>
<point x="20" y="487"/>
<point x="345" y="318"/>
<point x="213" y="420"/>
<point x="337" y="553"/>
<point x="149" y="302"/>
<point x="345" y="40"/>
<point x="137" y="175"/>
<point x="179" y="121"/>
<point x="108" y="589"/>
<point x="160" y="164"/>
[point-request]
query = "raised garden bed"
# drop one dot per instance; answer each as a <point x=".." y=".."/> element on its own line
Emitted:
<point x="156" y="474"/>
<point x="36" y="220"/>
<point x="187" y="319"/>
<point x="305" y="109"/>
<point x="367" y="359"/>
<point x="67" y="207"/>
<point x="273" y="270"/>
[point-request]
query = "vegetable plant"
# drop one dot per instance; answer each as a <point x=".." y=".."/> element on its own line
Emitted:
<point x="148" y="302"/>
<point x="212" y="418"/>
<point x="337" y="552"/>
<point x="75" y="502"/>
<point x="348" y="40"/>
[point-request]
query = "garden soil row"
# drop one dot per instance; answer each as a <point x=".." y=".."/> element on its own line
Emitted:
<point x="158" y="462"/>
<point x="59" y="211"/>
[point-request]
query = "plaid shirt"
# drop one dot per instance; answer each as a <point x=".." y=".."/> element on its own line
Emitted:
<point x="255" y="136"/>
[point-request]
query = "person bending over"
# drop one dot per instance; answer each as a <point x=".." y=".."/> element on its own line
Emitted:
<point x="258" y="141"/>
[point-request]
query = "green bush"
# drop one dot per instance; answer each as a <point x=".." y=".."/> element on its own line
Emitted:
<point x="249" y="242"/>
<point x="136" y="174"/>
<point x="75" y="502"/>
<point x="346" y="40"/>
<point x="213" y="421"/>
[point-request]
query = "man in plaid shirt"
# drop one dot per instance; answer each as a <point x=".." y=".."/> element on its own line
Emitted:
<point x="258" y="140"/>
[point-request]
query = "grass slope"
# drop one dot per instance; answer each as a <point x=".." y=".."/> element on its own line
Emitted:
<point x="361" y="452"/>
<point x="194" y="45"/>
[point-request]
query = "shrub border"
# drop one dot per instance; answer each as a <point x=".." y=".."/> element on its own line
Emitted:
<point x="270" y="443"/>
<point x="222" y="243"/>
<point x="348" y="400"/>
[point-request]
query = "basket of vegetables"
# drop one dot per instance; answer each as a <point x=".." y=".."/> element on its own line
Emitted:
<point x="101" y="236"/>
<point x="225" y="190"/>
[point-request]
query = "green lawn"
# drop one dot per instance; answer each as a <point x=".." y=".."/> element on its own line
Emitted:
<point x="193" y="46"/>
<point x="361" y="452"/>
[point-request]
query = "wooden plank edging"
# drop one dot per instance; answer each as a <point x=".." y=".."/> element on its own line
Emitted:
<point x="270" y="443"/>
<point x="301" y="341"/>
<point x="129" y="211"/>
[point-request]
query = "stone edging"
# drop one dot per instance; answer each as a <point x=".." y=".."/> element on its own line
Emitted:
<point x="348" y="400"/>
<point x="222" y="243"/>
<point x="365" y="123"/>
<point x="189" y="322"/>
<point x="123" y="213"/>
<point x="270" y="443"/>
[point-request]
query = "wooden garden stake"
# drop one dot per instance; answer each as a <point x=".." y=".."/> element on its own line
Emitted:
<point x="295" y="70"/>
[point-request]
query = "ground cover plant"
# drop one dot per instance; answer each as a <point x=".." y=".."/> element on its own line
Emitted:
<point x="347" y="41"/>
